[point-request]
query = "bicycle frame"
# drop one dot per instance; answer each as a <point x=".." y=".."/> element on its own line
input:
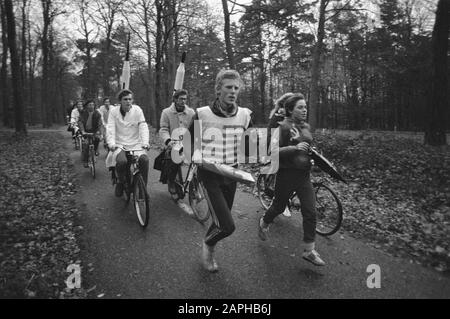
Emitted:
<point x="192" y="170"/>
<point x="134" y="168"/>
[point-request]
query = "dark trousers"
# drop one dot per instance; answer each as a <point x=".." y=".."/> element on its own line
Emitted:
<point x="220" y="193"/>
<point x="287" y="182"/>
<point x="85" y="148"/>
<point x="123" y="167"/>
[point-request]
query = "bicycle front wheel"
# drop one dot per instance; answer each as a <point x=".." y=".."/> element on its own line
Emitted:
<point x="265" y="185"/>
<point x="197" y="200"/>
<point x="329" y="210"/>
<point x="92" y="163"/>
<point x="141" y="201"/>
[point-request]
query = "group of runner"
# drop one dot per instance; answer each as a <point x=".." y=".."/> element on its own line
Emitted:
<point x="125" y="127"/>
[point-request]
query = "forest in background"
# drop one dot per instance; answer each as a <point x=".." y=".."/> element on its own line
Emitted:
<point x="362" y="64"/>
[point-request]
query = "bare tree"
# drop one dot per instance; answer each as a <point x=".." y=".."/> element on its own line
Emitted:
<point x="87" y="33"/>
<point x="438" y="102"/>
<point x="15" y="68"/>
<point x="315" y="67"/>
<point x="228" y="46"/>
<point x="106" y="17"/>
<point x="144" y="14"/>
<point x="4" y="69"/>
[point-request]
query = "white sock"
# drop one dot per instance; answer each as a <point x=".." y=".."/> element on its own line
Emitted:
<point x="309" y="246"/>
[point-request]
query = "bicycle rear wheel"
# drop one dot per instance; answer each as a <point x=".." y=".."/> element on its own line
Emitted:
<point x="329" y="210"/>
<point x="141" y="201"/>
<point x="266" y="189"/>
<point x="197" y="200"/>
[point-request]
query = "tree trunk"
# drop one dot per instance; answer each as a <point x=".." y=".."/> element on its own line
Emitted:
<point x="315" y="68"/>
<point x="227" y="35"/>
<point x="24" y="50"/>
<point x="151" y="109"/>
<point x="158" y="60"/>
<point x="15" y="68"/>
<point x="4" y="70"/>
<point x="45" y="64"/>
<point x="438" y="102"/>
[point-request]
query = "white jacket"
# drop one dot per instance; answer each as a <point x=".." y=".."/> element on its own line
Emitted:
<point x="126" y="132"/>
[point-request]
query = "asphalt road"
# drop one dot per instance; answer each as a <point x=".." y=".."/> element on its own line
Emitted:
<point x="120" y="260"/>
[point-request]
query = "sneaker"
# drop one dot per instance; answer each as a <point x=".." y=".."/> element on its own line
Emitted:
<point x="97" y="153"/>
<point x="208" y="258"/>
<point x="313" y="257"/>
<point x="119" y="189"/>
<point x="287" y="212"/>
<point x="263" y="230"/>
<point x="186" y="208"/>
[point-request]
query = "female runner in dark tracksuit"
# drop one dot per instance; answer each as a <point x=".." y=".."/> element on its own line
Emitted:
<point x="291" y="142"/>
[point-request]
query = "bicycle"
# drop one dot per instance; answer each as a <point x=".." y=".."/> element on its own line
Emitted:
<point x="91" y="152"/>
<point x="77" y="137"/>
<point x="193" y="187"/>
<point x="136" y="189"/>
<point x="328" y="206"/>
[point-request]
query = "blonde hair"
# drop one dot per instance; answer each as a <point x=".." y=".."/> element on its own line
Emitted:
<point x="227" y="74"/>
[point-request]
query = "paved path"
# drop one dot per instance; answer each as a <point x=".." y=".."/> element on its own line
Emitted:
<point x="163" y="261"/>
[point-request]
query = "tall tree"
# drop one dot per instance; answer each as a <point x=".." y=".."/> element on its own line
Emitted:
<point x="228" y="46"/>
<point x="86" y="45"/>
<point x="315" y="67"/>
<point x="144" y="15"/>
<point x="4" y="69"/>
<point x="19" y="114"/>
<point x="438" y="102"/>
<point x="47" y="19"/>
<point x="23" y="58"/>
<point x="107" y="16"/>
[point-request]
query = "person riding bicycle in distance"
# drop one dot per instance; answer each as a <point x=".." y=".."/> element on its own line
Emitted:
<point x="75" y="117"/>
<point x="126" y="130"/>
<point x="90" y="122"/>
<point x="177" y="116"/>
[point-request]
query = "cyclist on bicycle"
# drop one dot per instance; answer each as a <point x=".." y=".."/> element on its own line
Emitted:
<point x="177" y="116"/>
<point x="126" y="129"/>
<point x="90" y="122"/>
<point x="225" y="117"/>
<point x="291" y="141"/>
<point x="75" y="117"/>
<point x="104" y="111"/>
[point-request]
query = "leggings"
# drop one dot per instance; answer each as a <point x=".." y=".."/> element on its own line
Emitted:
<point x="220" y="193"/>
